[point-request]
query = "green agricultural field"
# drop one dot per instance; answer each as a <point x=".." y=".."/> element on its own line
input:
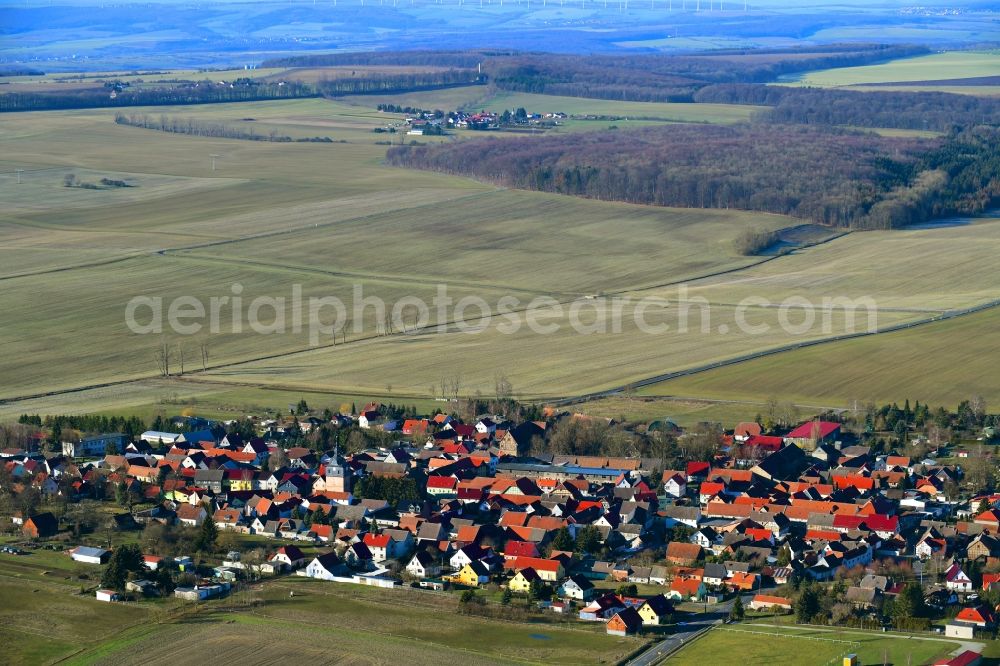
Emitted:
<point x="475" y="98"/>
<point x="939" y="66"/>
<point x="940" y="363"/>
<point x="806" y="647"/>
<point x="677" y="112"/>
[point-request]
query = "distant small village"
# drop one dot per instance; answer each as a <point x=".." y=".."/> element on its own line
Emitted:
<point x="888" y="517"/>
<point x="419" y="122"/>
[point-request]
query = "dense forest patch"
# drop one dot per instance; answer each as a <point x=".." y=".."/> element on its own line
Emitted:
<point x="827" y="175"/>
<point x="824" y="106"/>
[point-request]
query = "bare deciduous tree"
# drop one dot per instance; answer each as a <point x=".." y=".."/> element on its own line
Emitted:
<point x="163" y="356"/>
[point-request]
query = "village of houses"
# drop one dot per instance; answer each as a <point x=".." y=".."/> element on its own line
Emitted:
<point x="767" y="510"/>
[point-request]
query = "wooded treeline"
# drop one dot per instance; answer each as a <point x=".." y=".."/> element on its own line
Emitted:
<point x="645" y="78"/>
<point x="666" y="78"/>
<point x="203" y="92"/>
<point x="457" y="59"/>
<point x="937" y="111"/>
<point x="826" y="175"/>
<point x="241" y="90"/>
<point x="397" y="83"/>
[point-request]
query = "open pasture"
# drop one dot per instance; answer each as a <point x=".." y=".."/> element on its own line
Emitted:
<point x="274" y="215"/>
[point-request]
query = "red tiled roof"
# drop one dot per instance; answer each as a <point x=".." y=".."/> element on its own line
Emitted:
<point x="807" y="430"/>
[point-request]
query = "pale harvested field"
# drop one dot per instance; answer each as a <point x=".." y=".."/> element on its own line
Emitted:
<point x="526" y="241"/>
<point x="943" y="268"/>
<point x="324" y="216"/>
<point x="329" y="216"/>
<point x="938" y="66"/>
<point x="941" y="364"/>
<point x="564" y="363"/>
<point x="316" y="74"/>
<point x="77" y="335"/>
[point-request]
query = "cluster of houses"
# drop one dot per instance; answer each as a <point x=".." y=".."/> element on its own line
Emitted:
<point x="419" y="123"/>
<point x="762" y="510"/>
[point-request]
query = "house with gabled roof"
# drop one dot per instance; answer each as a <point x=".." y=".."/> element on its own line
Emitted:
<point x="577" y="587"/>
<point x="602" y="608"/>
<point x="521" y="582"/>
<point x="40" y="526"/>
<point x="679" y="552"/>
<point x="290" y="556"/>
<point x="656" y="610"/>
<point x="191" y="514"/>
<point x="359" y="557"/>
<point x="473" y="574"/>
<point x="228" y="519"/>
<point x="957" y="580"/>
<point x="423" y="565"/>
<point x="625" y="622"/>
<point x="687" y="589"/>
<point x="548" y="570"/>
<point x="813" y="433"/>
<point x="325" y="567"/>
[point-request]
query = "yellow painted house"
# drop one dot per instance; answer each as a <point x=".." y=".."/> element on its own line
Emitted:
<point x="241" y="484"/>
<point x="521" y="582"/>
<point x="473" y="574"/>
<point x="656" y="610"/>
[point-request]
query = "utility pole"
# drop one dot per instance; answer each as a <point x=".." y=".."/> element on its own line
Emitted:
<point x="213" y="156"/>
<point x="18" y="172"/>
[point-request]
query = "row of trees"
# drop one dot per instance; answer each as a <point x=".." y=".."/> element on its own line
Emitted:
<point x="199" y="128"/>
